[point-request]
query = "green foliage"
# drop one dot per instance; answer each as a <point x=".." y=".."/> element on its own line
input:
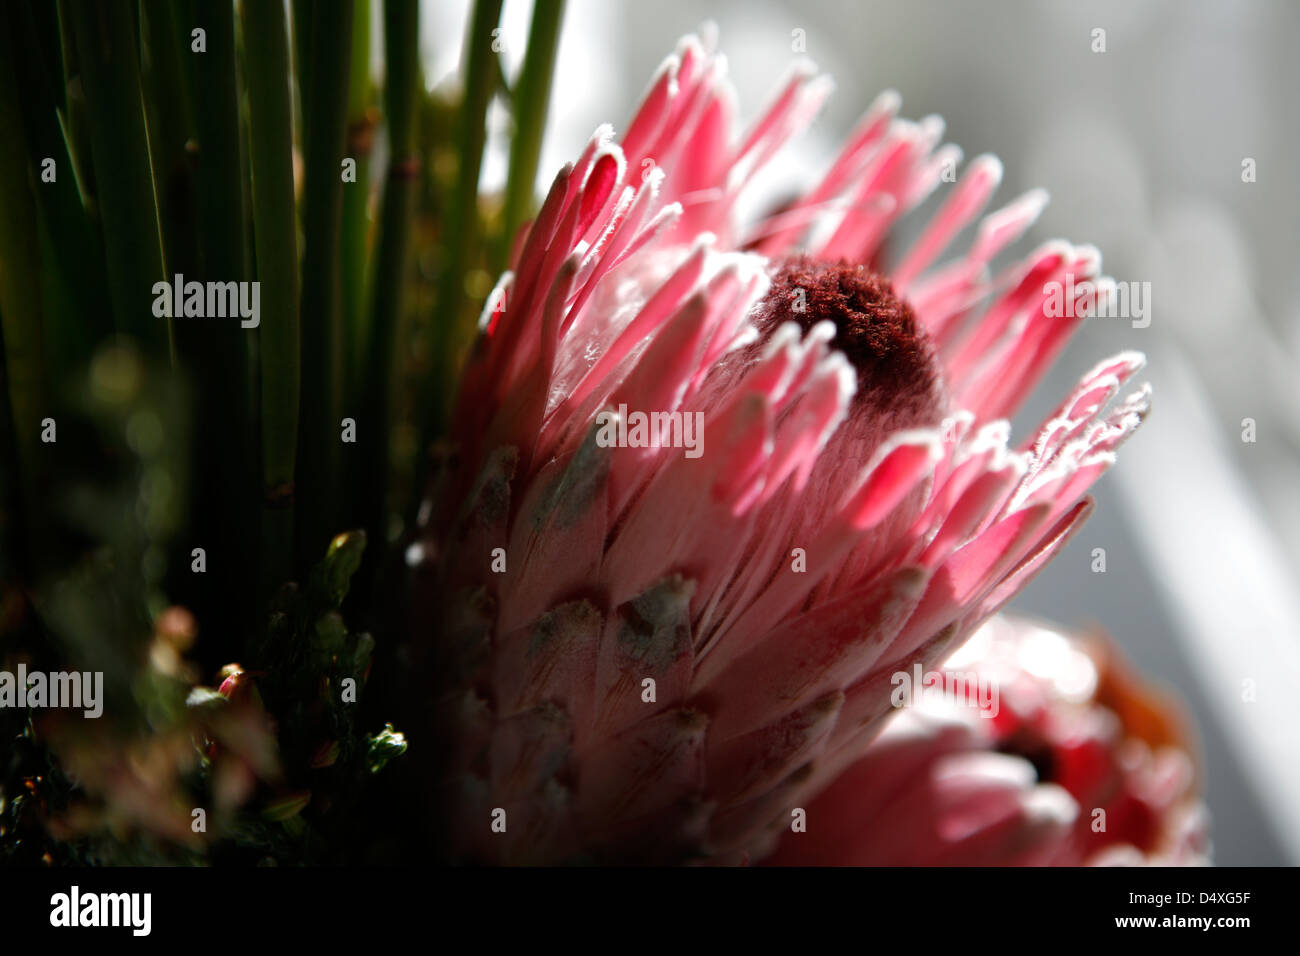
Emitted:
<point x="183" y="435"/>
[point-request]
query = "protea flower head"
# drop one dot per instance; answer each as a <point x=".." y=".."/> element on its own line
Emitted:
<point x="1079" y="762"/>
<point x="712" y="482"/>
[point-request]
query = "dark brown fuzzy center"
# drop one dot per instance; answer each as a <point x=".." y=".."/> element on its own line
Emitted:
<point x="875" y="329"/>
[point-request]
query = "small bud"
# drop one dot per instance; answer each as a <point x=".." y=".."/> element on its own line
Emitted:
<point x="239" y="686"/>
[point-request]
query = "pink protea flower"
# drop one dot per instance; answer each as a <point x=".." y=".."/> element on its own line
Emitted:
<point x="655" y="652"/>
<point x="1079" y="762"/>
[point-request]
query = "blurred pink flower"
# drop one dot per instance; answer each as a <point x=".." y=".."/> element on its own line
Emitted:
<point x="1079" y="762"/>
<point x="654" y="649"/>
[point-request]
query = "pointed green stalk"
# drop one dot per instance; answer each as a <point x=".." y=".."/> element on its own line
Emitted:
<point x="356" y="202"/>
<point x="270" y="95"/>
<point x="303" y="12"/>
<point x="460" y="235"/>
<point x="74" y="288"/>
<point x="320" y="435"/>
<point x="215" y="351"/>
<point x="251" y="357"/>
<point x="531" y="97"/>
<point x="75" y="123"/>
<point x="169" y="113"/>
<point x="216" y="120"/>
<point x="402" y="87"/>
<point x="20" y="300"/>
<point x="109" y="63"/>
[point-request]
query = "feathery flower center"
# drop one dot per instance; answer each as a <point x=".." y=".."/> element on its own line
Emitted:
<point x="875" y="329"/>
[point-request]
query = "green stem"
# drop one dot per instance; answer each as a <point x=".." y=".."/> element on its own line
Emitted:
<point x="169" y="113"/>
<point x="20" y="298"/>
<point x="461" y="233"/>
<point x="76" y="126"/>
<point x="215" y="97"/>
<point x="109" y="65"/>
<point x="356" y="202"/>
<point x="402" y="88"/>
<point x="216" y="351"/>
<point x="320" y="435"/>
<point x="73" y="285"/>
<point x="271" y="147"/>
<point x="303" y="14"/>
<point x="531" y="97"/>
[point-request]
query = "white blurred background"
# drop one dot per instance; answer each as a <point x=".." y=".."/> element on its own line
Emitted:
<point x="1142" y="150"/>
